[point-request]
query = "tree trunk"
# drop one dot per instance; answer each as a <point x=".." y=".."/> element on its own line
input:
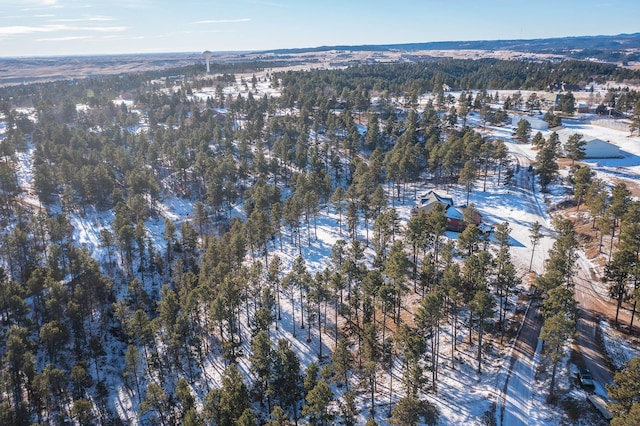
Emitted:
<point x="390" y="386"/>
<point x="453" y="343"/>
<point x="553" y="379"/>
<point x="301" y="309"/>
<point x="480" y="344"/>
<point x="293" y="315"/>
<point x="319" y="333"/>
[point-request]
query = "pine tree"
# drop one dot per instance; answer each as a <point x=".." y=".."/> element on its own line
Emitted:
<point x="261" y="359"/>
<point x="482" y="305"/>
<point x="317" y="407"/>
<point x="635" y="119"/>
<point x="535" y="236"/>
<point x="348" y="409"/>
<point x="428" y="318"/>
<point x="566" y="103"/>
<point x="581" y="180"/>
<point x="467" y="177"/>
<point x="285" y="382"/>
<point x="555" y="332"/>
<point x="225" y="405"/>
<point x="575" y="147"/>
<point x="546" y="162"/>
<point x="624" y="392"/>
<point x="523" y="131"/>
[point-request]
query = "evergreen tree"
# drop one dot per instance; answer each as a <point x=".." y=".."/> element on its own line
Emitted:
<point x="566" y="103"/>
<point x="556" y="331"/>
<point x="467" y="177"/>
<point x="635" y="119"/>
<point x="546" y="162"/>
<point x="225" y="405"/>
<point x="535" y="236"/>
<point x="317" y="407"/>
<point x="342" y="361"/>
<point x="348" y="409"/>
<point x="625" y="395"/>
<point x="482" y="305"/>
<point x="261" y="359"/>
<point x="581" y="180"/>
<point x="523" y="131"/>
<point x="285" y="381"/>
<point x="575" y="148"/>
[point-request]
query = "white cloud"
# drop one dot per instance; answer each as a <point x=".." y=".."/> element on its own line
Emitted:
<point x="101" y="29"/>
<point x="85" y="19"/>
<point x="70" y="38"/>
<point x="24" y="29"/>
<point x="222" y="21"/>
<point x="32" y="5"/>
<point x="39" y="3"/>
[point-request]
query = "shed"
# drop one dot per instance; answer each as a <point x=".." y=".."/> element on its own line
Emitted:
<point x="597" y="148"/>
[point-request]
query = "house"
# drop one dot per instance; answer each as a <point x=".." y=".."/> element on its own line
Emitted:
<point x="454" y="215"/>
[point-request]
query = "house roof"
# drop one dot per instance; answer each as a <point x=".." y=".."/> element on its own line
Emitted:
<point x="432" y="197"/>
<point x="453" y="213"/>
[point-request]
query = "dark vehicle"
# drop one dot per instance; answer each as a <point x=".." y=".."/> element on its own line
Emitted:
<point x="586" y="379"/>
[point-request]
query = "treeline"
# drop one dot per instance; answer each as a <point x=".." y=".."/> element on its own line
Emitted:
<point x="458" y="74"/>
<point x="100" y="90"/>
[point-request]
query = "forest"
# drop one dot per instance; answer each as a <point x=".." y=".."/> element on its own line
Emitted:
<point x="181" y="320"/>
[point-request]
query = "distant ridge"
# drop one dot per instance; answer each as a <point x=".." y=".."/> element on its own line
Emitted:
<point x="539" y="45"/>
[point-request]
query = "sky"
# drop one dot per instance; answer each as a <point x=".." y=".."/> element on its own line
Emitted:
<point x="87" y="27"/>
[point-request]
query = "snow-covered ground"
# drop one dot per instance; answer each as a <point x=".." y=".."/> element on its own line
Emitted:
<point x="463" y="394"/>
<point x="620" y="349"/>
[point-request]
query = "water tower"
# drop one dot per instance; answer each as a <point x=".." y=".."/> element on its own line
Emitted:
<point x="207" y="57"/>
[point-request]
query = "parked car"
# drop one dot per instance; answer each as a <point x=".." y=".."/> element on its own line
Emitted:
<point x="586" y="379"/>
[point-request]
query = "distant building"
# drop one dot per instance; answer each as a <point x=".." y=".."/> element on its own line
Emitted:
<point x="537" y="123"/>
<point x="583" y="108"/>
<point x="564" y="87"/>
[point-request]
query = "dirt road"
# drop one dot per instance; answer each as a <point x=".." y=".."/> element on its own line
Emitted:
<point x="517" y="388"/>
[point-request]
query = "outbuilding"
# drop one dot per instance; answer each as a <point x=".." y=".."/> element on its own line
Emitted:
<point x="537" y="123"/>
<point x="597" y="148"/>
<point x="593" y="147"/>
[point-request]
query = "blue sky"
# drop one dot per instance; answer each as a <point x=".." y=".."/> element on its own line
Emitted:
<point x="81" y="27"/>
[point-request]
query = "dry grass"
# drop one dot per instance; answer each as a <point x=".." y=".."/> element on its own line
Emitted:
<point x="587" y="235"/>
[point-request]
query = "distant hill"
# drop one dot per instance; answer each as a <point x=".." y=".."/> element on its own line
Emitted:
<point x="540" y="45"/>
